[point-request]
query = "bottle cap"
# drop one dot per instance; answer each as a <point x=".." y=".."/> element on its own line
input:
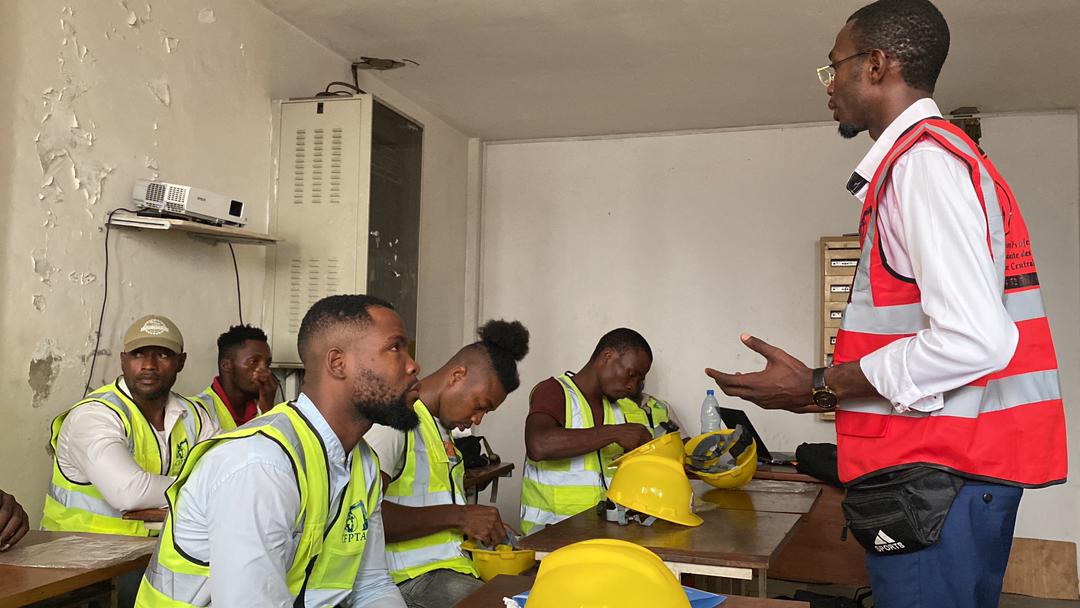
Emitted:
<point x="709" y="392"/>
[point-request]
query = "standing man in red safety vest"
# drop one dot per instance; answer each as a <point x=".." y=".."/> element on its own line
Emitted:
<point x="945" y="378"/>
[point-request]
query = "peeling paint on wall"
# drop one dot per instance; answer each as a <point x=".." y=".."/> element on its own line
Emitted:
<point x="81" y="278"/>
<point x="39" y="302"/>
<point x="159" y="88"/>
<point x="101" y="352"/>
<point x="169" y="42"/>
<point x="42" y="268"/>
<point x="206" y="16"/>
<point x="133" y="20"/>
<point x="44" y="368"/>
<point x="62" y="141"/>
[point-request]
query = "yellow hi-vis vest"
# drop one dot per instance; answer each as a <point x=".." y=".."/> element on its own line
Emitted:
<point x="649" y="415"/>
<point x="324" y="568"/>
<point x="217" y="408"/>
<point x="427" y="479"/>
<point x="553" y="490"/>
<point x="72" y="506"/>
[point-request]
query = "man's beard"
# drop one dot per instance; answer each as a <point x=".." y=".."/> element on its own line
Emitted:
<point x="375" y="400"/>
<point x="848" y="130"/>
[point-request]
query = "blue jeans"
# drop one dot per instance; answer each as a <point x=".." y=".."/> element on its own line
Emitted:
<point x="965" y="568"/>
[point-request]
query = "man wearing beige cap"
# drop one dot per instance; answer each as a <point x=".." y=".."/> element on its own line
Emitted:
<point x="122" y="446"/>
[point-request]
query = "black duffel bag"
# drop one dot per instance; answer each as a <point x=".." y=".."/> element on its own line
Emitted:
<point x="900" y="511"/>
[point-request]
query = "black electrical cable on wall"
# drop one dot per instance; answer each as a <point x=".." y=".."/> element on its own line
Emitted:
<point x="239" y="299"/>
<point x="104" y="300"/>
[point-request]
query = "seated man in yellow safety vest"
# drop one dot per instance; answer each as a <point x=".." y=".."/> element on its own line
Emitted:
<point x="120" y="448"/>
<point x="568" y="465"/>
<point x="284" y="511"/>
<point x="425" y="510"/>
<point x="244" y="386"/>
<point x="654" y="414"/>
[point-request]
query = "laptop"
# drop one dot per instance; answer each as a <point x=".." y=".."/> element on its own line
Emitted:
<point x="733" y="417"/>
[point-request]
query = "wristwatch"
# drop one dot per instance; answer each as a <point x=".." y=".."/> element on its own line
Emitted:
<point x="823" y="396"/>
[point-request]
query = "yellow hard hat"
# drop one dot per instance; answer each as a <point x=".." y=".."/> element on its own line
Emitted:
<point x="669" y="446"/>
<point x="735" y="477"/>
<point x="502" y="560"/>
<point x="657" y="486"/>
<point x="605" y="573"/>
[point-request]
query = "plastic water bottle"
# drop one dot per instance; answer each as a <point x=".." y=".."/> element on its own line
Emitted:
<point x="710" y="415"/>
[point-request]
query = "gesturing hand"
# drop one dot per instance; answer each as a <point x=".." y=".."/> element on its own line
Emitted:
<point x="785" y="382"/>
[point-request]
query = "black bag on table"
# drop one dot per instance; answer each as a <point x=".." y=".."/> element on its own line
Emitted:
<point x="472" y="454"/>
<point x="900" y="511"/>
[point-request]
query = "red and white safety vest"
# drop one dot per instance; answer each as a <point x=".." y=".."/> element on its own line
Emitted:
<point x="1006" y="427"/>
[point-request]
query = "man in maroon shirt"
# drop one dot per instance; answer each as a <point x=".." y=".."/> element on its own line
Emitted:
<point x="561" y="434"/>
<point x="244" y="386"/>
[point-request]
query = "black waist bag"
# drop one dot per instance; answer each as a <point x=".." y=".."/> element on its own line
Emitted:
<point x="901" y="511"/>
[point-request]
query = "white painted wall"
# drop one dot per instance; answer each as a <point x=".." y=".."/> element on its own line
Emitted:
<point x="694" y="238"/>
<point x="78" y="75"/>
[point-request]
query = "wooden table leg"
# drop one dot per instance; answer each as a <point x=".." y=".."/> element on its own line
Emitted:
<point x="763" y="580"/>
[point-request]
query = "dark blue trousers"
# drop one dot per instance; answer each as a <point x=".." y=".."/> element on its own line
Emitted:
<point x="964" y="569"/>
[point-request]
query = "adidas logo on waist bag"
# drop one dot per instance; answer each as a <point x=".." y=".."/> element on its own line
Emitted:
<point x="883" y="543"/>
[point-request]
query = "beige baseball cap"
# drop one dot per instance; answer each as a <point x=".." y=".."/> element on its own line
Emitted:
<point x="154" y="330"/>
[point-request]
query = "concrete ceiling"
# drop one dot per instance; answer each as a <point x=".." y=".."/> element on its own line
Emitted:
<point x="500" y="69"/>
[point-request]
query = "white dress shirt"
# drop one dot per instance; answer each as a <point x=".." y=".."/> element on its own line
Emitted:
<point x="92" y="447"/>
<point x="238" y="510"/>
<point x="933" y="230"/>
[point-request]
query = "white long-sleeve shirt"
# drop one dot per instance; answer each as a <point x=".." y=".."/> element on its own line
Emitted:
<point x="238" y="509"/>
<point x="92" y="447"/>
<point x="933" y="230"/>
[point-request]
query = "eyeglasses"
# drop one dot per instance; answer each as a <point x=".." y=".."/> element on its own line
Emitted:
<point x="827" y="73"/>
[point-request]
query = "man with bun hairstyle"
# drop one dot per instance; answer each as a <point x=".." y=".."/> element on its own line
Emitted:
<point x="424" y="508"/>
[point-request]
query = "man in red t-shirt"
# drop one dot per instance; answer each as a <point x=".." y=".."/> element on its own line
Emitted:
<point x="565" y="438"/>
<point x="244" y="386"/>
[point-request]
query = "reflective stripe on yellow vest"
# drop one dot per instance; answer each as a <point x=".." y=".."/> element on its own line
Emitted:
<point x="552" y="490"/>
<point x="427" y="479"/>
<point x="650" y="415"/>
<point x="323" y="569"/>
<point x="72" y="506"/>
<point x="217" y="408"/>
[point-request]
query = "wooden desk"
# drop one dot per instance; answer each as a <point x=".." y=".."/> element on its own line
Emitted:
<point x="763" y="496"/>
<point x="815" y="553"/>
<point x="731" y="543"/>
<point x="475" y="479"/>
<point x="491" y="594"/>
<point x="20" y="585"/>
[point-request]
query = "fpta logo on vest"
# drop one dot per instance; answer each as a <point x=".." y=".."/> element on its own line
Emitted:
<point x="181" y="449"/>
<point x="354" y="530"/>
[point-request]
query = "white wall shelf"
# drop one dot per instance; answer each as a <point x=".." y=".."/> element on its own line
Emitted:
<point x="194" y="229"/>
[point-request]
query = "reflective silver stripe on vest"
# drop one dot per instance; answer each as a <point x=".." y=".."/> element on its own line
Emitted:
<point x="283" y="424"/>
<point x="576" y="421"/>
<point x="321" y="598"/>
<point x="188" y="588"/>
<point x="541" y="516"/>
<point x="77" y="500"/>
<point x="401" y="560"/>
<point x="909" y="318"/>
<point x="548" y="477"/>
<point x="1002" y="394"/>
<point x="423" y="500"/>
<point x="970" y="401"/>
<point x="420" y="494"/>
